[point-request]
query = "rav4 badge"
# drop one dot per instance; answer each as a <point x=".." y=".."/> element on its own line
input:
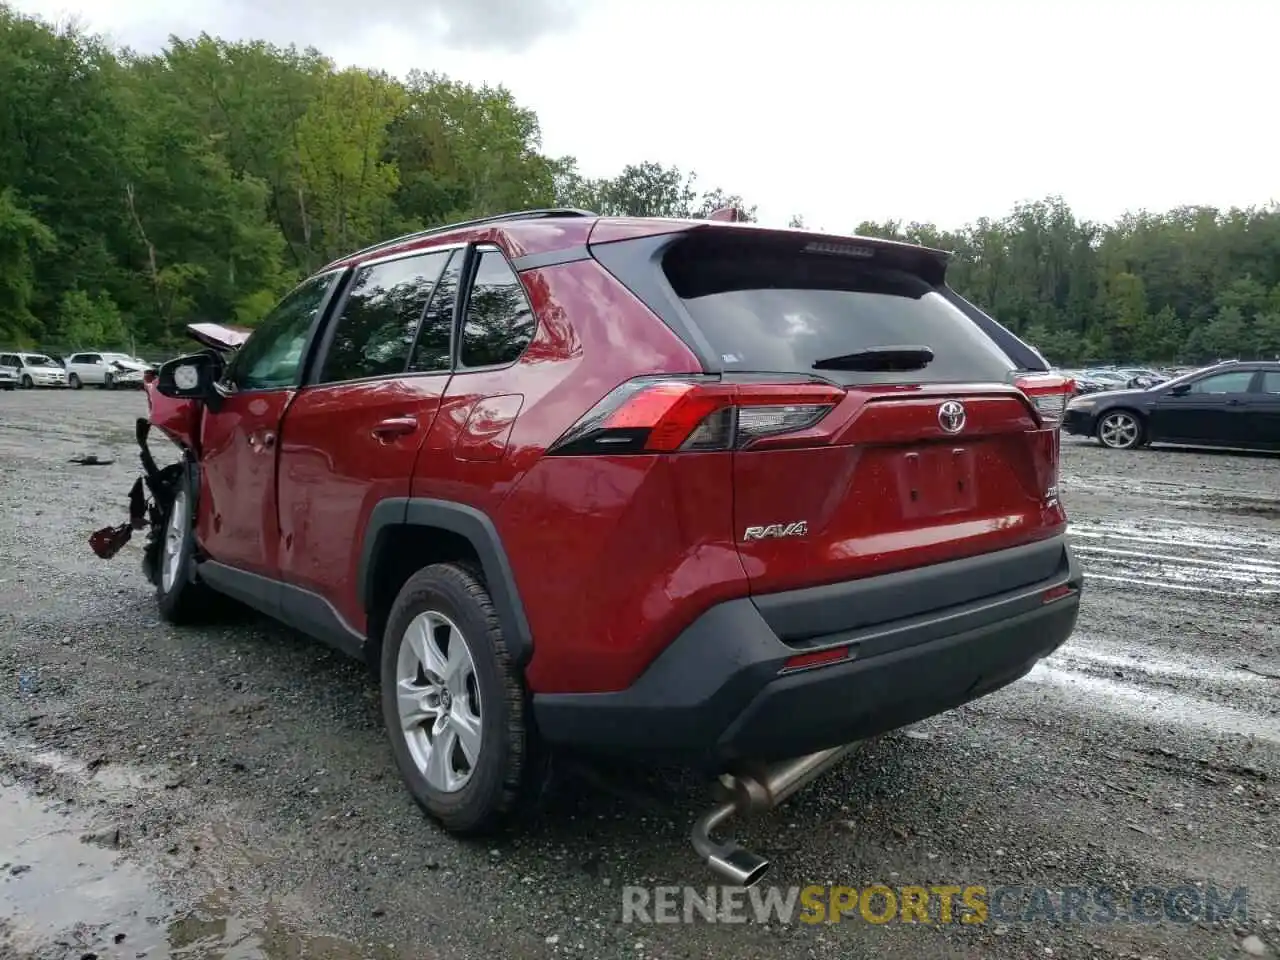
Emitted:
<point x="776" y="530"/>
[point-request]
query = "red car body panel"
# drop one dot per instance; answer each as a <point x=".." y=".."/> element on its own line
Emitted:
<point x="237" y="521"/>
<point x="179" y="419"/>
<point x="343" y="449"/>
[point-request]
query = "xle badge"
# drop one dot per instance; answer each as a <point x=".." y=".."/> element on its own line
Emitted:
<point x="775" y="530"/>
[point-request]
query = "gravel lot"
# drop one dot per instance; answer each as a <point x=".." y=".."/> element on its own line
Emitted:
<point x="226" y="791"/>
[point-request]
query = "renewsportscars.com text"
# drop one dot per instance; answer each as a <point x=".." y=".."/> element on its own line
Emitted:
<point x="937" y="904"/>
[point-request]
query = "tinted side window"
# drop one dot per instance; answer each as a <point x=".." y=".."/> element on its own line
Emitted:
<point x="379" y="320"/>
<point x="1236" y="382"/>
<point x="499" y="322"/>
<point x="431" y="353"/>
<point x="272" y="356"/>
<point x="1271" y="382"/>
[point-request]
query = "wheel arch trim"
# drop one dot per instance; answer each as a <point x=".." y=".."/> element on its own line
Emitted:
<point x="476" y="528"/>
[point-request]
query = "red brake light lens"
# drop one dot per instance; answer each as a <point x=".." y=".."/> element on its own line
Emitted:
<point x="669" y="414"/>
<point x="1049" y="392"/>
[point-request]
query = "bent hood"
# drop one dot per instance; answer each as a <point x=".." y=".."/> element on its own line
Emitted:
<point x="217" y="336"/>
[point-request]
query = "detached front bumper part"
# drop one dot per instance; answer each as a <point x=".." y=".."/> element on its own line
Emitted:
<point x="145" y="512"/>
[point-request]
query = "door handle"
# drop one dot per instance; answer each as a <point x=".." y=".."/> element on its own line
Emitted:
<point x="393" y="427"/>
<point x="1235" y="403"/>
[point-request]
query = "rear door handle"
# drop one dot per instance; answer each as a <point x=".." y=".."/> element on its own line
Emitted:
<point x="394" y="427"/>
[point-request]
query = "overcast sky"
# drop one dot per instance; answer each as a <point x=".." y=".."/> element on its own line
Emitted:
<point x="839" y="110"/>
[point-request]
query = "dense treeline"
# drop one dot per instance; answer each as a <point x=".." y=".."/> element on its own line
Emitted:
<point x="139" y="193"/>
<point x="1194" y="284"/>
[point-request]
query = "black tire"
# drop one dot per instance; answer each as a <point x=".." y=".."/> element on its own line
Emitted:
<point x="74" y="382"/>
<point x="183" y="599"/>
<point x="27" y="382"/>
<point x="108" y="382"/>
<point x="509" y="761"/>
<point x="1121" y="430"/>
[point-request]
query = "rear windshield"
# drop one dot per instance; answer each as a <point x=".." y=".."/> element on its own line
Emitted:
<point x="765" y="309"/>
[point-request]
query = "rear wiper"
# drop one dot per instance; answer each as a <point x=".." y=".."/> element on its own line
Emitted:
<point x="885" y="359"/>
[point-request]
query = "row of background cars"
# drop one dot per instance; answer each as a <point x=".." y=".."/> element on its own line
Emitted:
<point x="104" y="369"/>
<point x="1233" y="404"/>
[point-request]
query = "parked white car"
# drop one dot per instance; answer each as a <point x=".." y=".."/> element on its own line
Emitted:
<point x="8" y="374"/>
<point x="35" y="369"/>
<point x="106" y="370"/>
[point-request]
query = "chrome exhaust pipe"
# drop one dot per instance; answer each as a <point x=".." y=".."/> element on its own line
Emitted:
<point x="751" y="792"/>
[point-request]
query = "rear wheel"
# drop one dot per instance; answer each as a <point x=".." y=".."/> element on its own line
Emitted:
<point x="1120" y="430"/>
<point x="27" y="382"/>
<point x="453" y="702"/>
<point x="73" y="382"/>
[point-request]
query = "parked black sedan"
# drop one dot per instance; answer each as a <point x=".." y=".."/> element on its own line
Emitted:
<point x="1228" y="405"/>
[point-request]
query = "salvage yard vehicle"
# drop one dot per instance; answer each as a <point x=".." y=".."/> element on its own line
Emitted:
<point x="8" y="374"/>
<point x="35" y="369"/>
<point x="662" y="489"/>
<point x="1232" y="404"/>
<point x="105" y="370"/>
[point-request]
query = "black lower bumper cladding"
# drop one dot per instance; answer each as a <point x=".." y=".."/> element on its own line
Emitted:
<point x="148" y="510"/>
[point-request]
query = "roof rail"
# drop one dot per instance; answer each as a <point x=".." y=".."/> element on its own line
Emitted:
<point x="538" y="214"/>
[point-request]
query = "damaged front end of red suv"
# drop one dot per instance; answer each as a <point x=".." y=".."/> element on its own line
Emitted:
<point x="151" y="496"/>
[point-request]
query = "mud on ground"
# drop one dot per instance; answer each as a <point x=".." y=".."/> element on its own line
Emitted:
<point x="227" y="792"/>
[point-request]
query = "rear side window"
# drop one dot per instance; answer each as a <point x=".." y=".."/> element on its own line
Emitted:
<point x="1271" y="382"/>
<point x="1235" y="382"/>
<point x="767" y="308"/>
<point x="431" y="352"/>
<point x="499" y="322"/>
<point x="375" y="332"/>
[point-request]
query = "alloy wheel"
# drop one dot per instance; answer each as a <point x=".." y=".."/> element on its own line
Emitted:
<point x="1120" y="431"/>
<point x="174" y="535"/>
<point x="438" y="696"/>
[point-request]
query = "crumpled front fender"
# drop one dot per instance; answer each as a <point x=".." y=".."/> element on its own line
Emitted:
<point x="178" y="418"/>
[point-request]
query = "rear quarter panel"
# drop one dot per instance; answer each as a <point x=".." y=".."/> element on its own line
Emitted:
<point x="608" y="554"/>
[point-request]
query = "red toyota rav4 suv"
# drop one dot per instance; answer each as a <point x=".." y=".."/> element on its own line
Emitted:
<point x="672" y="489"/>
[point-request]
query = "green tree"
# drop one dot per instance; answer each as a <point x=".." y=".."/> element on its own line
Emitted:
<point x="1266" y="336"/>
<point x="346" y="185"/>
<point x="22" y="238"/>
<point x="86" y="322"/>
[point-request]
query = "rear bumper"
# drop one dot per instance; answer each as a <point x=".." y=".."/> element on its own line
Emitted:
<point x="718" y="693"/>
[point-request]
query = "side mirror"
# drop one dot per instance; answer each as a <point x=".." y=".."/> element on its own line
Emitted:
<point x="189" y="378"/>
<point x="1181" y="390"/>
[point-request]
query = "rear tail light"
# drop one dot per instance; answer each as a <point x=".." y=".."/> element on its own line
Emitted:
<point x="1049" y="392"/>
<point x="670" y="414"/>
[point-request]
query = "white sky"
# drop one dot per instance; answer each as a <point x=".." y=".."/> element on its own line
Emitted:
<point x="839" y="110"/>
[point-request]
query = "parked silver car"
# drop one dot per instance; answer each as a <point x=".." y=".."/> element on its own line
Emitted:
<point x="35" y="369"/>
<point x="106" y="370"/>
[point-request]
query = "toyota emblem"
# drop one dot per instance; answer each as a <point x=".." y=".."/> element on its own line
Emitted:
<point x="951" y="416"/>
